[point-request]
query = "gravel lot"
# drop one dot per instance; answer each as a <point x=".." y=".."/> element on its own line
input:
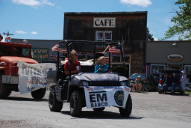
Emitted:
<point x="150" y="110"/>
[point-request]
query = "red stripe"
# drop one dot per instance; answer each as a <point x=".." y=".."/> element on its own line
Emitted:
<point x="114" y="50"/>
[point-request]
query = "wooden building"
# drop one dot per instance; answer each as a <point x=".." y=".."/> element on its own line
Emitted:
<point x="128" y="28"/>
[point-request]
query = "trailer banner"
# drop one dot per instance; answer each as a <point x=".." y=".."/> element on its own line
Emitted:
<point x="97" y="96"/>
<point x="33" y="76"/>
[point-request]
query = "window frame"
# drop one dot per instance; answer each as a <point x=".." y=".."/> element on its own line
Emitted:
<point x="104" y="36"/>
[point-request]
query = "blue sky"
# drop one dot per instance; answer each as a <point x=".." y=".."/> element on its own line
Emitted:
<point x="43" y="19"/>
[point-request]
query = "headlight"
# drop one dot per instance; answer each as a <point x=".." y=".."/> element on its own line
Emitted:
<point x="124" y="83"/>
<point x="85" y="83"/>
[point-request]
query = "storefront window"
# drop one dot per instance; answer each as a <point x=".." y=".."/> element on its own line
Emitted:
<point x="103" y="35"/>
<point x="157" y="69"/>
<point x="108" y="35"/>
<point x="99" y="36"/>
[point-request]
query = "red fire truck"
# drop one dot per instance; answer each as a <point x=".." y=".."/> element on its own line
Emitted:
<point x="10" y="54"/>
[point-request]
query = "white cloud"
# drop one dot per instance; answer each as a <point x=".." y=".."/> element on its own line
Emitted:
<point x="27" y="2"/>
<point x="33" y="2"/>
<point x="46" y="2"/>
<point x="23" y="32"/>
<point x="34" y="33"/>
<point x="143" y="3"/>
<point x="20" y="32"/>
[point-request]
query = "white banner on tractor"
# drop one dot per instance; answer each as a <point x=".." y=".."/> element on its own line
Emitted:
<point x="106" y="96"/>
<point x="33" y="76"/>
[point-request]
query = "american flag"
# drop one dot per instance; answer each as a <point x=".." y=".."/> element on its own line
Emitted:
<point x="113" y="49"/>
<point x="56" y="48"/>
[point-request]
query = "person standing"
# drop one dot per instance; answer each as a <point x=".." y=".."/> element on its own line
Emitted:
<point x="184" y="80"/>
<point x="168" y="81"/>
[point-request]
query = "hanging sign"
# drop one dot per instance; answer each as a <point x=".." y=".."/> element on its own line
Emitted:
<point x="105" y="96"/>
<point x="33" y="76"/>
<point x="175" y="58"/>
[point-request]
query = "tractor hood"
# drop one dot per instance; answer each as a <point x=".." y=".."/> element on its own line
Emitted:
<point x="15" y="59"/>
<point x="99" y="77"/>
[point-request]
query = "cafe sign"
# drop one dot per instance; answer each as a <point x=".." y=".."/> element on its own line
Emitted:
<point x="104" y="22"/>
<point x="175" y="58"/>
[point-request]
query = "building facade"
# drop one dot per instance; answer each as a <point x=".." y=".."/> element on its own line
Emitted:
<point x="162" y="56"/>
<point x="41" y="49"/>
<point x="128" y="28"/>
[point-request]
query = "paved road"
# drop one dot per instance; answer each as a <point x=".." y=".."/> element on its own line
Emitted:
<point x="150" y="110"/>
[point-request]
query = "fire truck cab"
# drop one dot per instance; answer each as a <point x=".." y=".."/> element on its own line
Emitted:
<point x="10" y="54"/>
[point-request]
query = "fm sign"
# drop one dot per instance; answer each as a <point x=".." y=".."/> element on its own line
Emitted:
<point x="100" y="22"/>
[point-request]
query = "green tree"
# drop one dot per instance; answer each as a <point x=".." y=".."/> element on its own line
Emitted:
<point x="181" y="21"/>
<point x="149" y="36"/>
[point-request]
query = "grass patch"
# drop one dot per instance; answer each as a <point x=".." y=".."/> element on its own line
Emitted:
<point x="188" y="92"/>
